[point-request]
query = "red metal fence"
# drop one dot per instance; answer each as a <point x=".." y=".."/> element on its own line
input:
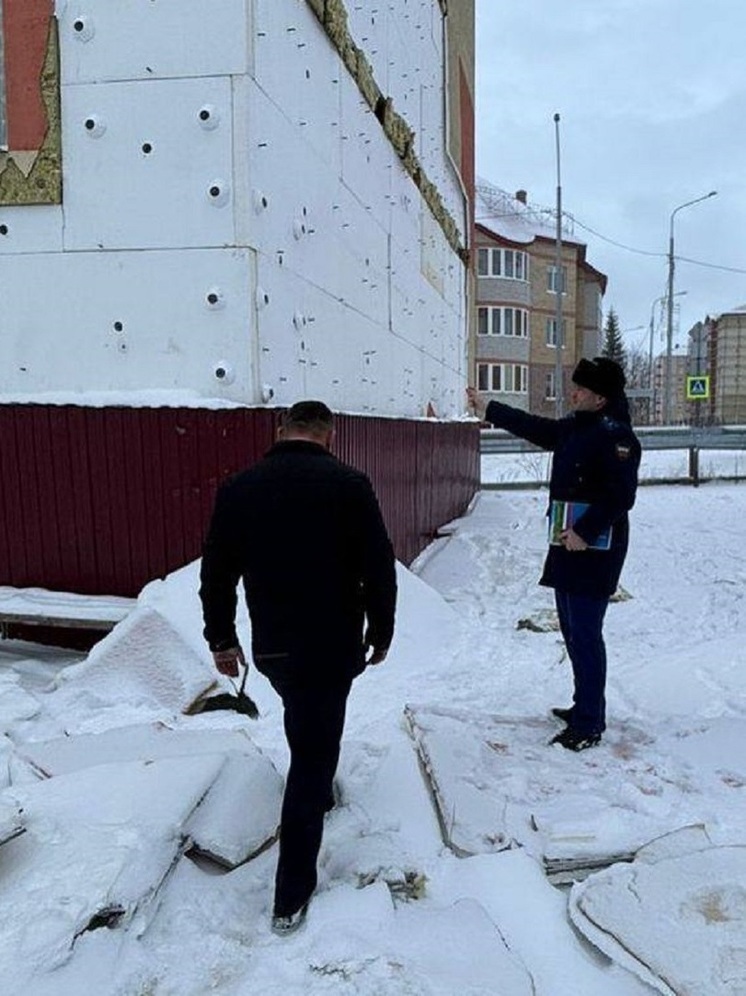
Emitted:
<point x="103" y="500"/>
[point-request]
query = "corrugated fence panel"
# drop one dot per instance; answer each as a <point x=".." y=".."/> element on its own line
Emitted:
<point x="103" y="500"/>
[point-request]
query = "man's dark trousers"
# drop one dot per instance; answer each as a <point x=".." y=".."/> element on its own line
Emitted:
<point x="314" y="716"/>
<point x="581" y="619"/>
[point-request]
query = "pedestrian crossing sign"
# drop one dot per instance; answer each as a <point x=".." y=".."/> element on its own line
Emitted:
<point x="698" y="387"/>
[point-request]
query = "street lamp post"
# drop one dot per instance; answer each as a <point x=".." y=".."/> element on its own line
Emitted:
<point x="651" y="397"/>
<point x="668" y="408"/>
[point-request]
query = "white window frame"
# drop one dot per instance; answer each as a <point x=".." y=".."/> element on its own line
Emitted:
<point x="551" y="333"/>
<point x="498" y="318"/>
<point x="509" y="264"/>
<point x="502" y="378"/>
<point x="550" y="386"/>
<point x="552" y="280"/>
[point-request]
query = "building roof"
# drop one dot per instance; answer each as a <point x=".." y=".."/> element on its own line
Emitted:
<point x="510" y="217"/>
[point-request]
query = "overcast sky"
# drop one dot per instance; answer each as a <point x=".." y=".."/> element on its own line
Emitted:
<point x="652" y="98"/>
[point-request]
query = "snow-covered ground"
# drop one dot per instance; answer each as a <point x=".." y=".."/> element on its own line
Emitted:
<point x="438" y="884"/>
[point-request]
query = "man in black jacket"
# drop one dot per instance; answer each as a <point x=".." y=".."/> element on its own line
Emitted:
<point x="594" y="472"/>
<point x="306" y="535"/>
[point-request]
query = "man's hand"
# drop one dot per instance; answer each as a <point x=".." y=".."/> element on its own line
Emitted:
<point x="227" y="661"/>
<point x="474" y="402"/>
<point x="571" y="540"/>
<point x="377" y="655"/>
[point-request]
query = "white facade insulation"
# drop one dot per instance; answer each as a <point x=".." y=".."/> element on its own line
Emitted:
<point x="235" y="222"/>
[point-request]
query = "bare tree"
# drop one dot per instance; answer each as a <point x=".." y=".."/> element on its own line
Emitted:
<point x="637" y="370"/>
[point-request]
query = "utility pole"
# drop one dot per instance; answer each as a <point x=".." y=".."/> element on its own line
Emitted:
<point x="558" y="287"/>
<point x="668" y="407"/>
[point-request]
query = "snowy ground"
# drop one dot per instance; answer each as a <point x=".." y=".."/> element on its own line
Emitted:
<point x="397" y="911"/>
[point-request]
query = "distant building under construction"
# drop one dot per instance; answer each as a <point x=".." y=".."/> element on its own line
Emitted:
<point x="717" y="347"/>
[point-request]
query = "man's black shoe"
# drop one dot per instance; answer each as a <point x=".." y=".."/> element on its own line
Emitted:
<point x="572" y="740"/>
<point x="284" y="925"/>
<point x="564" y="714"/>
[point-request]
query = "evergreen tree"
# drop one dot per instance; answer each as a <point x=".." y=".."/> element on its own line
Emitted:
<point x="613" y="346"/>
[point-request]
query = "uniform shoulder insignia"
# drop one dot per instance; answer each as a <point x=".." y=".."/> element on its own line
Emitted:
<point x="623" y="451"/>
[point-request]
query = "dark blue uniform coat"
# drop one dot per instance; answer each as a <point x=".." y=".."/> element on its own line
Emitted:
<point x="596" y="459"/>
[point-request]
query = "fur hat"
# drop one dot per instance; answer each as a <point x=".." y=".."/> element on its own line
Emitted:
<point x="600" y="375"/>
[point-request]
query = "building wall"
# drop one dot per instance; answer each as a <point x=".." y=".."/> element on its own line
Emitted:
<point x="729" y="386"/>
<point x="543" y="355"/>
<point x="590" y="314"/>
<point x="256" y="204"/>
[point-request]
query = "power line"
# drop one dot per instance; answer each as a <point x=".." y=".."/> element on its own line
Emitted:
<point x="620" y="245"/>
<point x="645" y="252"/>
<point x="711" y="266"/>
<point x="573" y="220"/>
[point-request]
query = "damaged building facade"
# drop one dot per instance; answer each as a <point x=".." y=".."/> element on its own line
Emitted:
<point x="204" y="216"/>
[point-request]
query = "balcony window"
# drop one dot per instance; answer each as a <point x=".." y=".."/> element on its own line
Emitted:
<point x="502" y="378"/>
<point x="493" y="320"/>
<point x="511" y="264"/>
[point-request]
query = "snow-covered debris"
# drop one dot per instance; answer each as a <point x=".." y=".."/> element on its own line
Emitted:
<point x="16" y="704"/>
<point x="496" y="780"/>
<point x="138" y="742"/>
<point x="11" y="819"/>
<point x="98" y="844"/>
<point x="143" y="663"/>
<point x="678" y="922"/>
<point x="414" y="946"/>
<point x="240" y="815"/>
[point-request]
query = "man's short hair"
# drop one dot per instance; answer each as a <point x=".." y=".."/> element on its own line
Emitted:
<point x="308" y="416"/>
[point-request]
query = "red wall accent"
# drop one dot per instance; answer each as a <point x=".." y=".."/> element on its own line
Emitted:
<point x="103" y="500"/>
<point x="468" y="140"/>
<point x="26" y="26"/>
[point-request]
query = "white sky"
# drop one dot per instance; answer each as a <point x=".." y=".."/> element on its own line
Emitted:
<point x="652" y="98"/>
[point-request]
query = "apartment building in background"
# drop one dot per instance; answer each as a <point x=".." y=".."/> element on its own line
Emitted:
<point x="717" y="347"/>
<point x="517" y="283"/>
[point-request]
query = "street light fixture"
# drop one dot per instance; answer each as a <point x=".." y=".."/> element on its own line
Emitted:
<point x="668" y="409"/>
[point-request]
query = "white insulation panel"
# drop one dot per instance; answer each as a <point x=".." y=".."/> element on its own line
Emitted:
<point x="128" y="321"/>
<point x="141" y="169"/>
<point x="151" y="39"/>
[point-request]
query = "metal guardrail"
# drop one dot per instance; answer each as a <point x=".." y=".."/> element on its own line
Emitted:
<point x="674" y="437"/>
